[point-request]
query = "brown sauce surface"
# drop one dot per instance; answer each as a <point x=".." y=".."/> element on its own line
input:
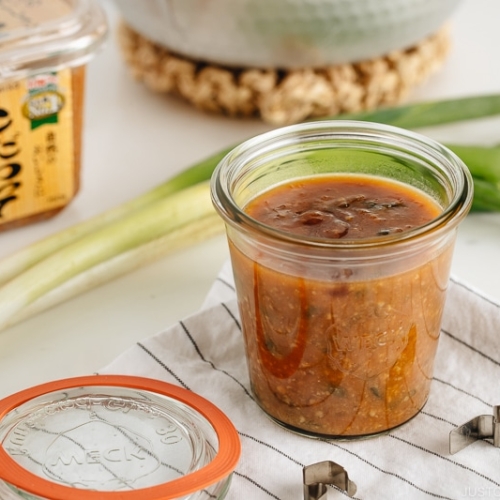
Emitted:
<point x="350" y="207"/>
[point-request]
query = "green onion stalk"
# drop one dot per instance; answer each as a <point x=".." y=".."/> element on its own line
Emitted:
<point x="179" y="213"/>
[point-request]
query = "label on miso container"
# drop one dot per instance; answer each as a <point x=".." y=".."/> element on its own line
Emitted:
<point x="36" y="145"/>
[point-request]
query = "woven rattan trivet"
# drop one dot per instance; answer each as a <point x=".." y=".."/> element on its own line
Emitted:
<point x="284" y="97"/>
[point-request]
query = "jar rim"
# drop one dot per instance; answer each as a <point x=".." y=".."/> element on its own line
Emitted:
<point x="228" y="167"/>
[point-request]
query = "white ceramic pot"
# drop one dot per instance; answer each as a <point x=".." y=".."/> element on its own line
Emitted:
<point x="285" y="33"/>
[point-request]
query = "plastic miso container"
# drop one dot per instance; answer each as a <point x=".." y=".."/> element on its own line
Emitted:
<point x="44" y="47"/>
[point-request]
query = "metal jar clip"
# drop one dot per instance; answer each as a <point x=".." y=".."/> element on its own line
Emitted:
<point x="481" y="427"/>
<point x="317" y="476"/>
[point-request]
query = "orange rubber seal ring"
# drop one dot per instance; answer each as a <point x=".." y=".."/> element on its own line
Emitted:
<point x="218" y="469"/>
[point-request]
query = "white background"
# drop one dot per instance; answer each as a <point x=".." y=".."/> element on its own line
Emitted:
<point x="135" y="139"/>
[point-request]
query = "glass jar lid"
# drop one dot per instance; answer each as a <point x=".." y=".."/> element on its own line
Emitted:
<point x="48" y="34"/>
<point x="110" y="437"/>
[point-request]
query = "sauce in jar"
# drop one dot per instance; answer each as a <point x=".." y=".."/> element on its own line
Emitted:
<point x="336" y="355"/>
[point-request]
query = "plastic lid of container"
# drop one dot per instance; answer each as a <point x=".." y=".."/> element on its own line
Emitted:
<point x="110" y="437"/>
<point x="48" y="34"/>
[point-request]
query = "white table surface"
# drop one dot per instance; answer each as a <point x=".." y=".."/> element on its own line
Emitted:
<point x="134" y="139"/>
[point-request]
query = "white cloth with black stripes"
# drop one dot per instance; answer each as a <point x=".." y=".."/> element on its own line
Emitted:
<point x="204" y="353"/>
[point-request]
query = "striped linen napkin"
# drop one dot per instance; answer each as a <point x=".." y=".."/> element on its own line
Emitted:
<point x="204" y="353"/>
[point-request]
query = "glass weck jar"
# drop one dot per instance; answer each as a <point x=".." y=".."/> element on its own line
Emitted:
<point x="341" y="330"/>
